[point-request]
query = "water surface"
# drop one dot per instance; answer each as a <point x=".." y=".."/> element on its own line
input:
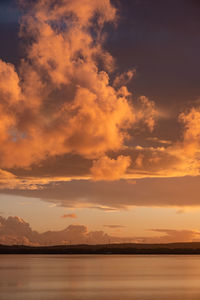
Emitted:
<point x="99" y="277"/>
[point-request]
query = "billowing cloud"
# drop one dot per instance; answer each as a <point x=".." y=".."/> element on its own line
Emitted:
<point x="147" y="112"/>
<point x="9" y="84"/>
<point x="61" y="99"/>
<point x="168" y="159"/>
<point x="66" y="105"/>
<point x="179" y="158"/>
<point x="110" y="169"/>
<point x="15" y="230"/>
<point x="188" y="148"/>
<point x="124" y="78"/>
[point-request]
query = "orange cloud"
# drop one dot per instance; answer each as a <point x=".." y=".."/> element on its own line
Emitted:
<point x="61" y="101"/>
<point x="9" y="84"/>
<point x="124" y="78"/>
<point x="73" y="216"/>
<point x="186" y="149"/>
<point x="147" y="112"/>
<point x="110" y="169"/>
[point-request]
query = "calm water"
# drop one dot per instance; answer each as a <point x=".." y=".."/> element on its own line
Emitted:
<point x="99" y="277"/>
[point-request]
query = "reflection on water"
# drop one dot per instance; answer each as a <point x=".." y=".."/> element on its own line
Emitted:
<point x="86" y="277"/>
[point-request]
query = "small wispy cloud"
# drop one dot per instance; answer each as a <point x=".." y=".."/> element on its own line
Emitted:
<point x="52" y="205"/>
<point x="73" y="216"/>
<point x="157" y="140"/>
<point x="103" y="208"/>
<point x="114" y="226"/>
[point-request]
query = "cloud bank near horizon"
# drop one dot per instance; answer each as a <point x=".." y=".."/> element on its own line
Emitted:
<point x="14" y="230"/>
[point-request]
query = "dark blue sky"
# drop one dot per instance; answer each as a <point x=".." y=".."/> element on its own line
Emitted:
<point x="162" y="40"/>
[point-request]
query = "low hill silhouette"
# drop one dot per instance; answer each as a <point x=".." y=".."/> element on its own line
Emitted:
<point x="132" y="248"/>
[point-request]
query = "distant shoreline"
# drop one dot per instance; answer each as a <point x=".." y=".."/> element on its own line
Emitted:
<point x="107" y="249"/>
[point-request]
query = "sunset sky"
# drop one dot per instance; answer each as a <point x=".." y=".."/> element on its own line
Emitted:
<point x="99" y="121"/>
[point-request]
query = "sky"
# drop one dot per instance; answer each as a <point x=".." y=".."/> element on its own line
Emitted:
<point x="99" y="121"/>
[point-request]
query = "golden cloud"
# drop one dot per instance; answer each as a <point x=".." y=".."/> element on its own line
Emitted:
<point x="60" y="101"/>
<point x="110" y="169"/>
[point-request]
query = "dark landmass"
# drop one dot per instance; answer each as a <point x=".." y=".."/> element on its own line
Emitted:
<point x="173" y="248"/>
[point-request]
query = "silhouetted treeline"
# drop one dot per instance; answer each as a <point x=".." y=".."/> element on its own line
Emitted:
<point x="175" y="248"/>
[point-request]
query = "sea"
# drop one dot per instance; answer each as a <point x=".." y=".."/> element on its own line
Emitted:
<point x="99" y="277"/>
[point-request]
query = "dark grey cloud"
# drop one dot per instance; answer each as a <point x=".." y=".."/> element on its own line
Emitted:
<point x="157" y="192"/>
